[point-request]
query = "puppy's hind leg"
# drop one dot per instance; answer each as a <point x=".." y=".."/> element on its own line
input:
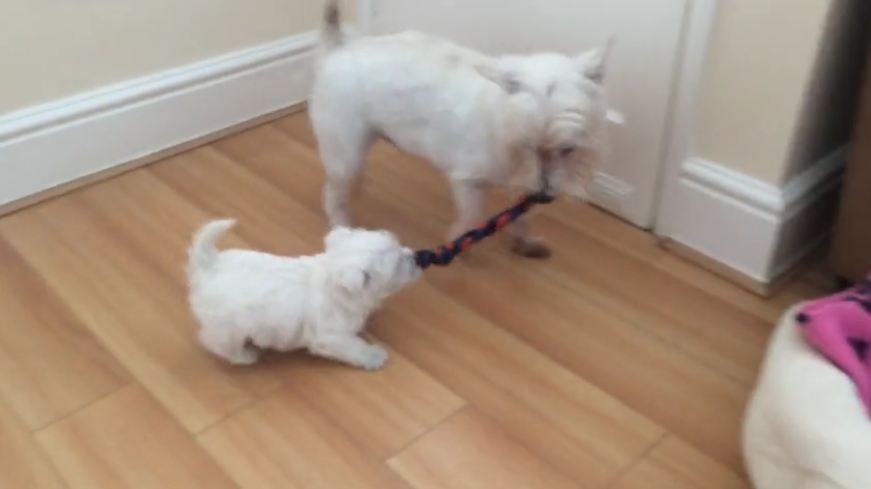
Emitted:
<point x="230" y="345"/>
<point x="337" y="194"/>
<point x="352" y="350"/>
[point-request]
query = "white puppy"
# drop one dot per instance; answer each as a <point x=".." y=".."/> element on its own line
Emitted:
<point x="245" y="300"/>
<point x="535" y="120"/>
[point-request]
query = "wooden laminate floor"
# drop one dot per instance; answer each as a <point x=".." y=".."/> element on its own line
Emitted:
<point x="611" y="365"/>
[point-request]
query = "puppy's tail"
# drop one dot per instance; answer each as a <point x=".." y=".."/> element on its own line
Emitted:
<point x="331" y="31"/>
<point x="203" y="254"/>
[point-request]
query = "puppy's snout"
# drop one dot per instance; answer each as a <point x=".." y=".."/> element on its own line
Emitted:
<point x="411" y="262"/>
<point x="411" y="257"/>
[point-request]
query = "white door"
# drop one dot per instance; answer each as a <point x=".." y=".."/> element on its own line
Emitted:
<point x="640" y="72"/>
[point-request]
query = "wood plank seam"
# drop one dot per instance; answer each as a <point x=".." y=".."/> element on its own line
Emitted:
<point x="432" y="428"/>
<point x="505" y="433"/>
<point x="79" y="409"/>
<point x="254" y="400"/>
<point x="641" y="458"/>
<point x="30" y="435"/>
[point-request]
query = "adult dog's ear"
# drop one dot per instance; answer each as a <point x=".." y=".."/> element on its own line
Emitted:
<point x="501" y="73"/>
<point x="592" y="63"/>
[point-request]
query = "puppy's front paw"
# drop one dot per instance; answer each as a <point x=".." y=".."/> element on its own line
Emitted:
<point x="531" y="248"/>
<point x="375" y="358"/>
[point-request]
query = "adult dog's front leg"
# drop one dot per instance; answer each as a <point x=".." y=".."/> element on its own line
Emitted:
<point x="469" y="197"/>
<point x="524" y="243"/>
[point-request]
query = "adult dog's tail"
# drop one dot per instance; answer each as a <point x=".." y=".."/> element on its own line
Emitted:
<point x="203" y="254"/>
<point x="331" y="31"/>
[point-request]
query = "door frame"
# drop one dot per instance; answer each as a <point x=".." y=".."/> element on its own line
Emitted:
<point x="365" y="14"/>
<point x="699" y="23"/>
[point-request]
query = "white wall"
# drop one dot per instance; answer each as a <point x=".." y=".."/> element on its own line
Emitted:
<point x="56" y="48"/>
<point x="832" y="94"/>
<point x="754" y="188"/>
<point x="91" y="87"/>
<point x="761" y="59"/>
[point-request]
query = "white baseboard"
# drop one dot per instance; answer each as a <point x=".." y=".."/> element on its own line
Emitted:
<point x="755" y="228"/>
<point x="611" y="193"/>
<point x="50" y="145"/>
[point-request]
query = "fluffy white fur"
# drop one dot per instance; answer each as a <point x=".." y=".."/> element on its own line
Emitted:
<point x="246" y="300"/>
<point x="536" y="121"/>
<point x="805" y="426"/>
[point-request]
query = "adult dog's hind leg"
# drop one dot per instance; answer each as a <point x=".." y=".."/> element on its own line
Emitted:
<point x="344" y="141"/>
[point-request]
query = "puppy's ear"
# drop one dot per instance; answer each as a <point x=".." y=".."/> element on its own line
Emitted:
<point x="336" y="236"/>
<point x="500" y="73"/>
<point x="592" y="63"/>
<point x="352" y="279"/>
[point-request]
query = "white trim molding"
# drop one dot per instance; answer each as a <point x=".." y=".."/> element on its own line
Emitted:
<point x="366" y="12"/>
<point x="50" y="145"/>
<point x="695" y="43"/>
<point x="610" y="193"/>
<point x="755" y="228"/>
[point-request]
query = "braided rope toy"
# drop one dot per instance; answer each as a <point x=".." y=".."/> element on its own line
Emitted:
<point x="445" y="254"/>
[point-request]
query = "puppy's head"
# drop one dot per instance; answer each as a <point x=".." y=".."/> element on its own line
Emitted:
<point x="370" y="264"/>
<point x="566" y="131"/>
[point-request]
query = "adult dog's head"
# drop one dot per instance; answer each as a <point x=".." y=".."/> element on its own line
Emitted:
<point x="563" y="117"/>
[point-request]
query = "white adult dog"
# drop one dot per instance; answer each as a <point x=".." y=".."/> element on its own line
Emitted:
<point x="245" y="300"/>
<point x="537" y="121"/>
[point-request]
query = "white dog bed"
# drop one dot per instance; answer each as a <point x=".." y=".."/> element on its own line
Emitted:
<point x="806" y="427"/>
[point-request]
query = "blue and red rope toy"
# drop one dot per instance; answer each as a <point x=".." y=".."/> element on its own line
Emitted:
<point x="444" y="255"/>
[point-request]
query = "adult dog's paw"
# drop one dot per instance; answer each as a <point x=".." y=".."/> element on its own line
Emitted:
<point x="531" y="248"/>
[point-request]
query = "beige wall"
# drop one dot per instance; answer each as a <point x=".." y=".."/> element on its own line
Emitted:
<point x="51" y="49"/>
<point x="832" y="96"/>
<point x="761" y="60"/>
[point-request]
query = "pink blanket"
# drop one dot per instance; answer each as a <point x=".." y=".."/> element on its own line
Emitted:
<point x="839" y="327"/>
